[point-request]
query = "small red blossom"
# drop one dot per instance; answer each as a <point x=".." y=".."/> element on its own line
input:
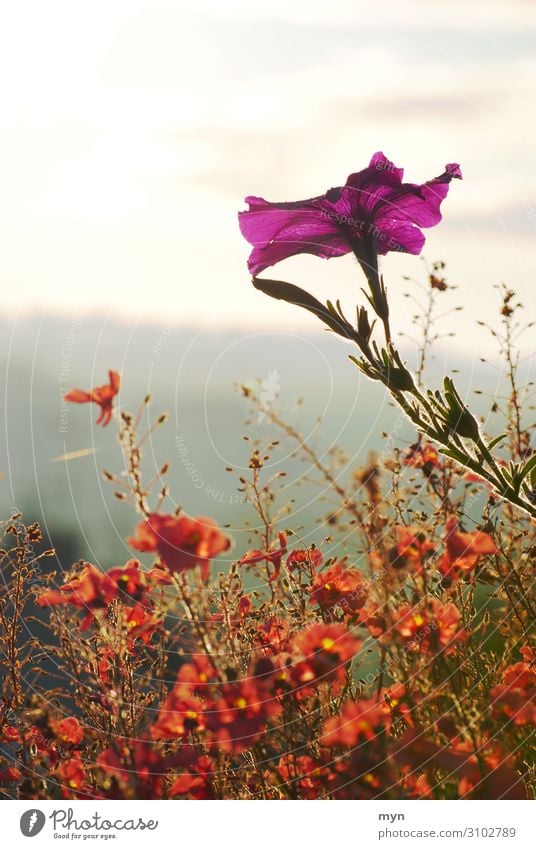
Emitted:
<point x="273" y="635"/>
<point x="195" y="780"/>
<point x="101" y="395"/>
<point x="412" y="548"/>
<point x="91" y="590"/>
<point x="183" y="709"/>
<point x="500" y="781"/>
<point x="463" y="549"/>
<point x="72" y="774"/>
<point x="339" y="587"/>
<point x="304" y="558"/>
<point x="274" y="555"/>
<point x="182" y="543"/>
<point x="429" y="628"/>
<point x="303" y="776"/>
<point x="141" y="621"/>
<point x="322" y="652"/>
<point x="10" y="734"/>
<point x="422" y="455"/>
<point x="239" y="714"/>
<point x="355" y="722"/>
<point x="515" y="697"/>
<point x="10" y="773"/>
<point x="130" y="580"/>
<point x="68" y="730"/>
<point x="137" y="769"/>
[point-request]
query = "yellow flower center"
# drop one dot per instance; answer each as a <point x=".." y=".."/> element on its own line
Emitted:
<point x="418" y="620"/>
<point x="241" y="702"/>
<point x="191" y="714"/>
<point x="327" y="643"/>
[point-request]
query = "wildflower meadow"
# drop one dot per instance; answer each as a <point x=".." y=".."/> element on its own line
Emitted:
<point x="401" y="669"/>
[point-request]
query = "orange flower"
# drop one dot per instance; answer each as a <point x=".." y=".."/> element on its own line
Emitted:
<point x="180" y="542"/>
<point x="463" y="550"/>
<point x="303" y="776"/>
<point x="141" y="622"/>
<point x="422" y="455"/>
<point x="273" y="635"/>
<point x="91" y="589"/>
<point x="274" y="556"/>
<point x="130" y="579"/>
<point x="322" y="652"/>
<point x="304" y="558"/>
<point x="355" y="722"/>
<point x="10" y="773"/>
<point x="68" y="730"/>
<point x="515" y="697"/>
<point x="181" y="713"/>
<point x="412" y="548"/>
<point x="183" y="708"/>
<point x="239" y="714"/>
<point x="101" y="395"/>
<point x="73" y="775"/>
<point x="429" y="628"/>
<point x="339" y="587"/>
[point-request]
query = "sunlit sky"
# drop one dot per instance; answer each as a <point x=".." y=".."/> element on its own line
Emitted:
<point x="131" y="131"/>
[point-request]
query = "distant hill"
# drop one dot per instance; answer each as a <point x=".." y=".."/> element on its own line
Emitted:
<point x="190" y="374"/>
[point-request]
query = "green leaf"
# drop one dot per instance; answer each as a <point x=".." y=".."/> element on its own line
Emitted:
<point x="282" y="291"/>
<point x="496" y="441"/>
<point x="527" y="469"/>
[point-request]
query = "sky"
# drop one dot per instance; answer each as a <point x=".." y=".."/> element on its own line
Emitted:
<point x="130" y="132"/>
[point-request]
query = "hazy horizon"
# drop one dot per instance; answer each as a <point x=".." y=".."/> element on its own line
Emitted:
<point x="131" y="132"/>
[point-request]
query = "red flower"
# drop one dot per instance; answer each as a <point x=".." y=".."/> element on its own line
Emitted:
<point x="181" y="713"/>
<point x="138" y="769"/>
<point x="273" y="635"/>
<point x="101" y="395"/>
<point x="10" y="773"/>
<point x="304" y="558"/>
<point x="195" y="782"/>
<point x="304" y="777"/>
<point x="10" y="734"/>
<point x="463" y="549"/>
<point x="412" y="548"/>
<point x="515" y="697"/>
<point x="273" y="556"/>
<point x="72" y="772"/>
<point x="239" y="713"/>
<point x="68" y="730"/>
<point x="183" y="708"/>
<point x="356" y="722"/>
<point x="339" y="587"/>
<point x="422" y="455"/>
<point x="181" y="543"/>
<point x="322" y="652"/>
<point x="429" y="628"/>
<point x="141" y="622"/>
<point x="91" y="589"/>
<point x="499" y="782"/>
<point x="130" y="579"/>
